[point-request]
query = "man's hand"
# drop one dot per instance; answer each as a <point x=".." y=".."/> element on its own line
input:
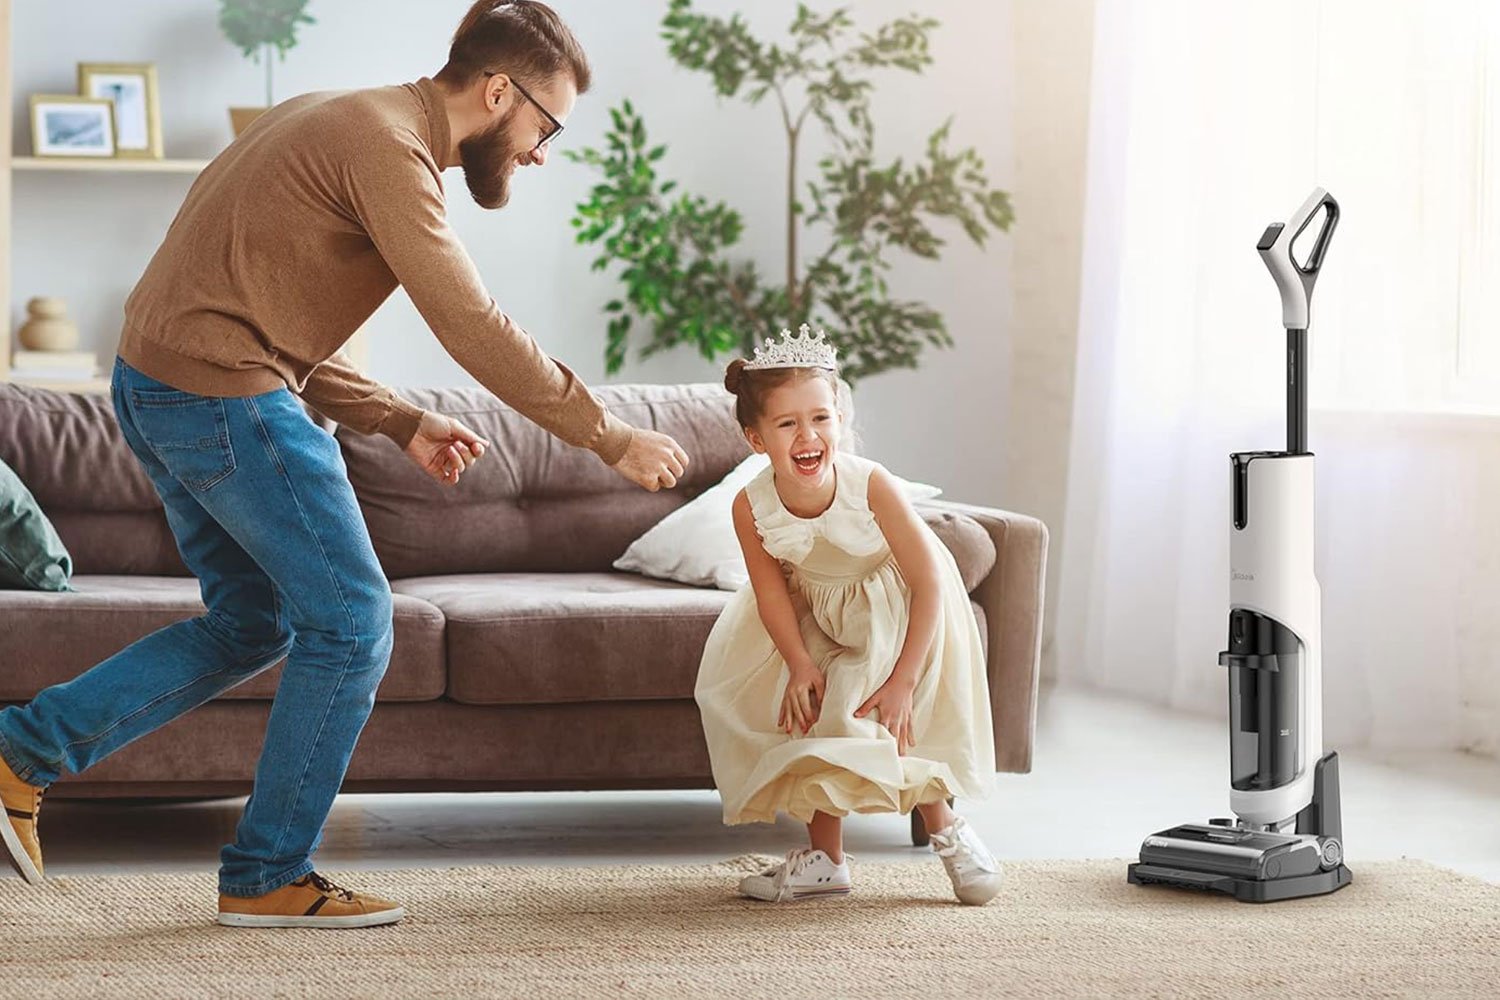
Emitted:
<point x="653" y="460"/>
<point x="443" y="448"/>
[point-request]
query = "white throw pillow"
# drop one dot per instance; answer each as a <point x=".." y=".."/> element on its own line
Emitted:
<point x="696" y="544"/>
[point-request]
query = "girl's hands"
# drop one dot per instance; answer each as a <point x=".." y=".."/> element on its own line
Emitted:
<point x="803" y="699"/>
<point x="893" y="700"/>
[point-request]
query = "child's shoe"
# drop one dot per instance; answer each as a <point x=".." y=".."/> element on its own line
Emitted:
<point x="803" y="875"/>
<point x="972" y="869"/>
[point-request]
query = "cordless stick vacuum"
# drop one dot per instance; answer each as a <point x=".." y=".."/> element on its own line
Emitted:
<point x="1287" y="840"/>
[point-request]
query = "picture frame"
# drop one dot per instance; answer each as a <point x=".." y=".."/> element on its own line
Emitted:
<point x="133" y="88"/>
<point x="65" y="126"/>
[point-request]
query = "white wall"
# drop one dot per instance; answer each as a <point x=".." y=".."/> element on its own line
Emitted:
<point x="88" y="238"/>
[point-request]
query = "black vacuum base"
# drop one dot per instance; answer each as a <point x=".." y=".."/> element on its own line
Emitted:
<point x="1246" y="889"/>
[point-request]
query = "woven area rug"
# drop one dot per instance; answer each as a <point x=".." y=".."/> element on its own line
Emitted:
<point x="1061" y="929"/>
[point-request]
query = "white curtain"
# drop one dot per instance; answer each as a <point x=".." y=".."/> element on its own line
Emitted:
<point x="1208" y="121"/>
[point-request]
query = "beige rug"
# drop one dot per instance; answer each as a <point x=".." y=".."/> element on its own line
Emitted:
<point x="1062" y="929"/>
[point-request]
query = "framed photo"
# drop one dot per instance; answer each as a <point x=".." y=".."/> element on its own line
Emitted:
<point x="69" y="125"/>
<point x="132" y="87"/>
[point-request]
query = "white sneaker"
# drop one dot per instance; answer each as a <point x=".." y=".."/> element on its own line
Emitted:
<point x="803" y="875"/>
<point x="973" y="870"/>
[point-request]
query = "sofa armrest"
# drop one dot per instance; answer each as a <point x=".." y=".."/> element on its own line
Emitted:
<point x="1012" y="596"/>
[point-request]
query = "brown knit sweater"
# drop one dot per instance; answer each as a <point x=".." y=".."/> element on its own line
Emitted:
<point x="297" y="232"/>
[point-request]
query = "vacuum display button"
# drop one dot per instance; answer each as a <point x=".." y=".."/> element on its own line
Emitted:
<point x="1268" y="238"/>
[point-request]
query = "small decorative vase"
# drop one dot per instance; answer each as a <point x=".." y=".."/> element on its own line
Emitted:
<point x="49" y="328"/>
<point x="241" y="118"/>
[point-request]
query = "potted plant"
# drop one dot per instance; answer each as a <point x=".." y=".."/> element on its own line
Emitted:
<point x="674" y="249"/>
<point x="257" y="27"/>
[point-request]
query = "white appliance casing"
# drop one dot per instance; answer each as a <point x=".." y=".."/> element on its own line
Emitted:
<point x="1271" y="573"/>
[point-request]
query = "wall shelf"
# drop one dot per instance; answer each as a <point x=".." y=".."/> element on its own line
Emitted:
<point x="12" y="165"/>
<point x="107" y="165"/>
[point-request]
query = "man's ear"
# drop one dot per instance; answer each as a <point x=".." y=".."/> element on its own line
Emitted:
<point x="495" y="89"/>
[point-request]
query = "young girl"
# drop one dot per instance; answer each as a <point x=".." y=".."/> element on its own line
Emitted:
<point x="849" y="676"/>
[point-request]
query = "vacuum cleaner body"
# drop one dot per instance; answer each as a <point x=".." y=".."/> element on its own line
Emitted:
<point x="1274" y="657"/>
<point x="1287" y="839"/>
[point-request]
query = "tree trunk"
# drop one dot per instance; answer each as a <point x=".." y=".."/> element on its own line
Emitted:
<point x="793" y="305"/>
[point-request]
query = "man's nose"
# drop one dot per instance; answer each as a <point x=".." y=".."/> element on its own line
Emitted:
<point x="539" y="156"/>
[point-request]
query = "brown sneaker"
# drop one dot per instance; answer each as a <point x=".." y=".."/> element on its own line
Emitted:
<point x="18" y="829"/>
<point x="311" y="901"/>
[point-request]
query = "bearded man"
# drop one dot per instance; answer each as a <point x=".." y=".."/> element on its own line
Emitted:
<point x="285" y="245"/>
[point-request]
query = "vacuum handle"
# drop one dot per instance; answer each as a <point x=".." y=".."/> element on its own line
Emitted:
<point x="1320" y="243"/>
<point x="1296" y="280"/>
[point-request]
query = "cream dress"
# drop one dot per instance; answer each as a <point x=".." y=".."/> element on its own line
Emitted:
<point x="852" y="604"/>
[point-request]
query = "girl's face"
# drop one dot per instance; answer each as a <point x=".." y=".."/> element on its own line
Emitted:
<point x="799" y="429"/>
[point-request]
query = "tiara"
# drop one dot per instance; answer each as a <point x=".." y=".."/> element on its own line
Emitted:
<point x="803" y="349"/>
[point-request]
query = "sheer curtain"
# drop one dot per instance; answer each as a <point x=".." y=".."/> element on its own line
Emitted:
<point x="1209" y="121"/>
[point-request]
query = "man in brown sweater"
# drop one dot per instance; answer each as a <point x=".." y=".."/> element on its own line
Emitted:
<point x="285" y="245"/>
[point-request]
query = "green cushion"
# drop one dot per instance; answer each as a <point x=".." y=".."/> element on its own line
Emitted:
<point x="32" y="557"/>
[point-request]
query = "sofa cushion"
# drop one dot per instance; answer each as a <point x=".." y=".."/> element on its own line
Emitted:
<point x="67" y="448"/>
<point x="972" y="547"/>
<point x="534" y="504"/>
<point x="517" y="638"/>
<point x="47" y="638"/>
<point x="696" y="543"/>
<point x="539" y="638"/>
<point x="52" y="438"/>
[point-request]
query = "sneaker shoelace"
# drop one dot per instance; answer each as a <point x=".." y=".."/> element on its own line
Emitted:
<point x="795" y="864"/>
<point x="328" y="889"/>
<point x="964" y="857"/>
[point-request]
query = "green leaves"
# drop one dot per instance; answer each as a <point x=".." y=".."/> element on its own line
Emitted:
<point x="251" y="24"/>
<point x="670" y="251"/>
<point x="723" y="49"/>
<point x="673" y="251"/>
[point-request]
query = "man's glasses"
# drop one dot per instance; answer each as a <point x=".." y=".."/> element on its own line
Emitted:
<point x="556" y="126"/>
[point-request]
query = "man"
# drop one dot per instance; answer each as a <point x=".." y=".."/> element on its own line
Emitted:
<point x="285" y="245"/>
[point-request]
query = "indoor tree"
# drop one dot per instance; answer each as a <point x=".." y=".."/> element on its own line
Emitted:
<point x="260" y="27"/>
<point x="674" y="249"/>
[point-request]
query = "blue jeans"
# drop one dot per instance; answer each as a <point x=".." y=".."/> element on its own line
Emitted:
<point x="259" y="500"/>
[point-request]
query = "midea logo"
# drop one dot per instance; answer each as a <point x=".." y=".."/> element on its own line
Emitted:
<point x="1235" y="574"/>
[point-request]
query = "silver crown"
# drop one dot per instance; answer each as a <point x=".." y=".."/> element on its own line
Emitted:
<point x="803" y="349"/>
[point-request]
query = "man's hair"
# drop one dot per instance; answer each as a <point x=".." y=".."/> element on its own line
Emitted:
<point x="524" y="39"/>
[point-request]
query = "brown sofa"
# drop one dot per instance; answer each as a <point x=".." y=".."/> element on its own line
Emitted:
<point x="522" y="660"/>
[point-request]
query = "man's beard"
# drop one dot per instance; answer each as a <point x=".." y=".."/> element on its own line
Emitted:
<point x="489" y="162"/>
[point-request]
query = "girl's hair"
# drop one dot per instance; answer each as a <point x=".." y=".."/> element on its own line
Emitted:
<point x="751" y="388"/>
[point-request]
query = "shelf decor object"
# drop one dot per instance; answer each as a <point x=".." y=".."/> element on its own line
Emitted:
<point x="133" y="89"/>
<point x="70" y="125"/>
<point x="259" y="29"/>
<point x="48" y="328"/>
